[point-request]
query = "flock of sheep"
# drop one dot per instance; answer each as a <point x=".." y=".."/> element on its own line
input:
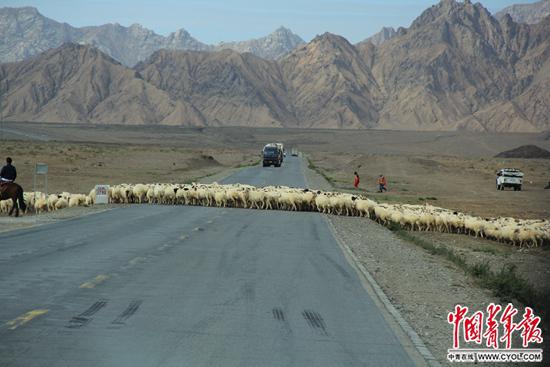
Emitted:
<point x="40" y="203"/>
<point x="522" y="233"/>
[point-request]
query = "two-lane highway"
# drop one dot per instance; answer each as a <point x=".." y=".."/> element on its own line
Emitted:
<point x="150" y="285"/>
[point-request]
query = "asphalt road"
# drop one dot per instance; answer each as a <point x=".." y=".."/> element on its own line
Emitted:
<point x="150" y="285"/>
<point x="6" y="133"/>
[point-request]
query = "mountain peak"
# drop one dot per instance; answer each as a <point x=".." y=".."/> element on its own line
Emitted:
<point x="273" y="46"/>
<point x="452" y="11"/>
<point x="84" y="51"/>
<point x="529" y="13"/>
<point x="137" y="26"/>
<point x="329" y="39"/>
<point x="140" y="30"/>
<point x="283" y="29"/>
<point x="385" y="34"/>
<point x="288" y="34"/>
<point x="182" y="32"/>
<point x="326" y="48"/>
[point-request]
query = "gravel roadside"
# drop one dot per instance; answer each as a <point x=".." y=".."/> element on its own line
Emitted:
<point x="422" y="287"/>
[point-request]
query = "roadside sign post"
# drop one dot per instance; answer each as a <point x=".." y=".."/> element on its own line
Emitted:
<point x="40" y="169"/>
<point x="102" y="194"/>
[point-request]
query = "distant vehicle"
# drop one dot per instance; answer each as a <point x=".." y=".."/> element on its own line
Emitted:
<point x="294" y="152"/>
<point x="509" y="177"/>
<point x="272" y="155"/>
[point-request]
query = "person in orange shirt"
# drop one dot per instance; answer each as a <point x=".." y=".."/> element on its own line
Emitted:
<point x="382" y="183"/>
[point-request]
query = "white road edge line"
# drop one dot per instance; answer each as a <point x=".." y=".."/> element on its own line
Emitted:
<point x="413" y="336"/>
<point x="55" y="220"/>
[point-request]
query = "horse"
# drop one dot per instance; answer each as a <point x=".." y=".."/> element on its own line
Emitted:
<point x="13" y="191"/>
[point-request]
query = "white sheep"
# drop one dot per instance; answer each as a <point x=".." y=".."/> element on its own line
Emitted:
<point x="139" y="192"/>
<point x="40" y="205"/>
<point x="52" y="200"/>
<point x="61" y="204"/>
<point x="413" y="217"/>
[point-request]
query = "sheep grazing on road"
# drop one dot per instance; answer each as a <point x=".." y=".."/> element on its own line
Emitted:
<point x="524" y="233"/>
<point x="139" y="192"/>
<point x="77" y="200"/>
<point x="61" y="204"/>
<point x="40" y="205"/>
<point x="90" y="198"/>
<point x="52" y="199"/>
<point x="5" y="206"/>
<point x="322" y="201"/>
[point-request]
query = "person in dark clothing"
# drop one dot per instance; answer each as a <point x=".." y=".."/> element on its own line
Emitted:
<point x="8" y="173"/>
<point x="382" y="183"/>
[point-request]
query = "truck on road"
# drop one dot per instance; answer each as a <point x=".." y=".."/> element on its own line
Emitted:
<point x="509" y="177"/>
<point x="272" y="155"/>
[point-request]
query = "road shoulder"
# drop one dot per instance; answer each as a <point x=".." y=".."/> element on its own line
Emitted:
<point x="417" y="289"/>
<point x="8" y="224"/>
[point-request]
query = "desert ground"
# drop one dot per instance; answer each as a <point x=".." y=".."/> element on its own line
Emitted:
<point x="77" y="167"/>
<point x="465" y="184"/>
<point x="454" y="170"/>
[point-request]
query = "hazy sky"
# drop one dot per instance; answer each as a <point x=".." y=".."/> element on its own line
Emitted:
<point x="212" y="21"/>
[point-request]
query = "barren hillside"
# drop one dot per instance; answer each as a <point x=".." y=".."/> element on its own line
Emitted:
<point x="455" y="68"/>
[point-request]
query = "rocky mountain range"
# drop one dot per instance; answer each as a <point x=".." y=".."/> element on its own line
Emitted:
<point x="24" y="32"/>
<point x="80" y="83"/>
<point x="455" y="67"/>
<point x="530" y="13"/>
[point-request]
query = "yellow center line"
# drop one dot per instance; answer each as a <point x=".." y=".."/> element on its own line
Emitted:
<point x="96" y="281"/>
<point x="23" y="319"/>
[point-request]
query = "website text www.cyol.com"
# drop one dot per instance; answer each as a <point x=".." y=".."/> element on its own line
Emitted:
<point x="490" y="355"/>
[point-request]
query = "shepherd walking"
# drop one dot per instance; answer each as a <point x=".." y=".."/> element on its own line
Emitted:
<point x="382" y="183"/>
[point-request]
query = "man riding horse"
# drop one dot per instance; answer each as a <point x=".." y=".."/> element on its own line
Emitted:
<point x="8" y="173"/>
<point x="9" y="189"/>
